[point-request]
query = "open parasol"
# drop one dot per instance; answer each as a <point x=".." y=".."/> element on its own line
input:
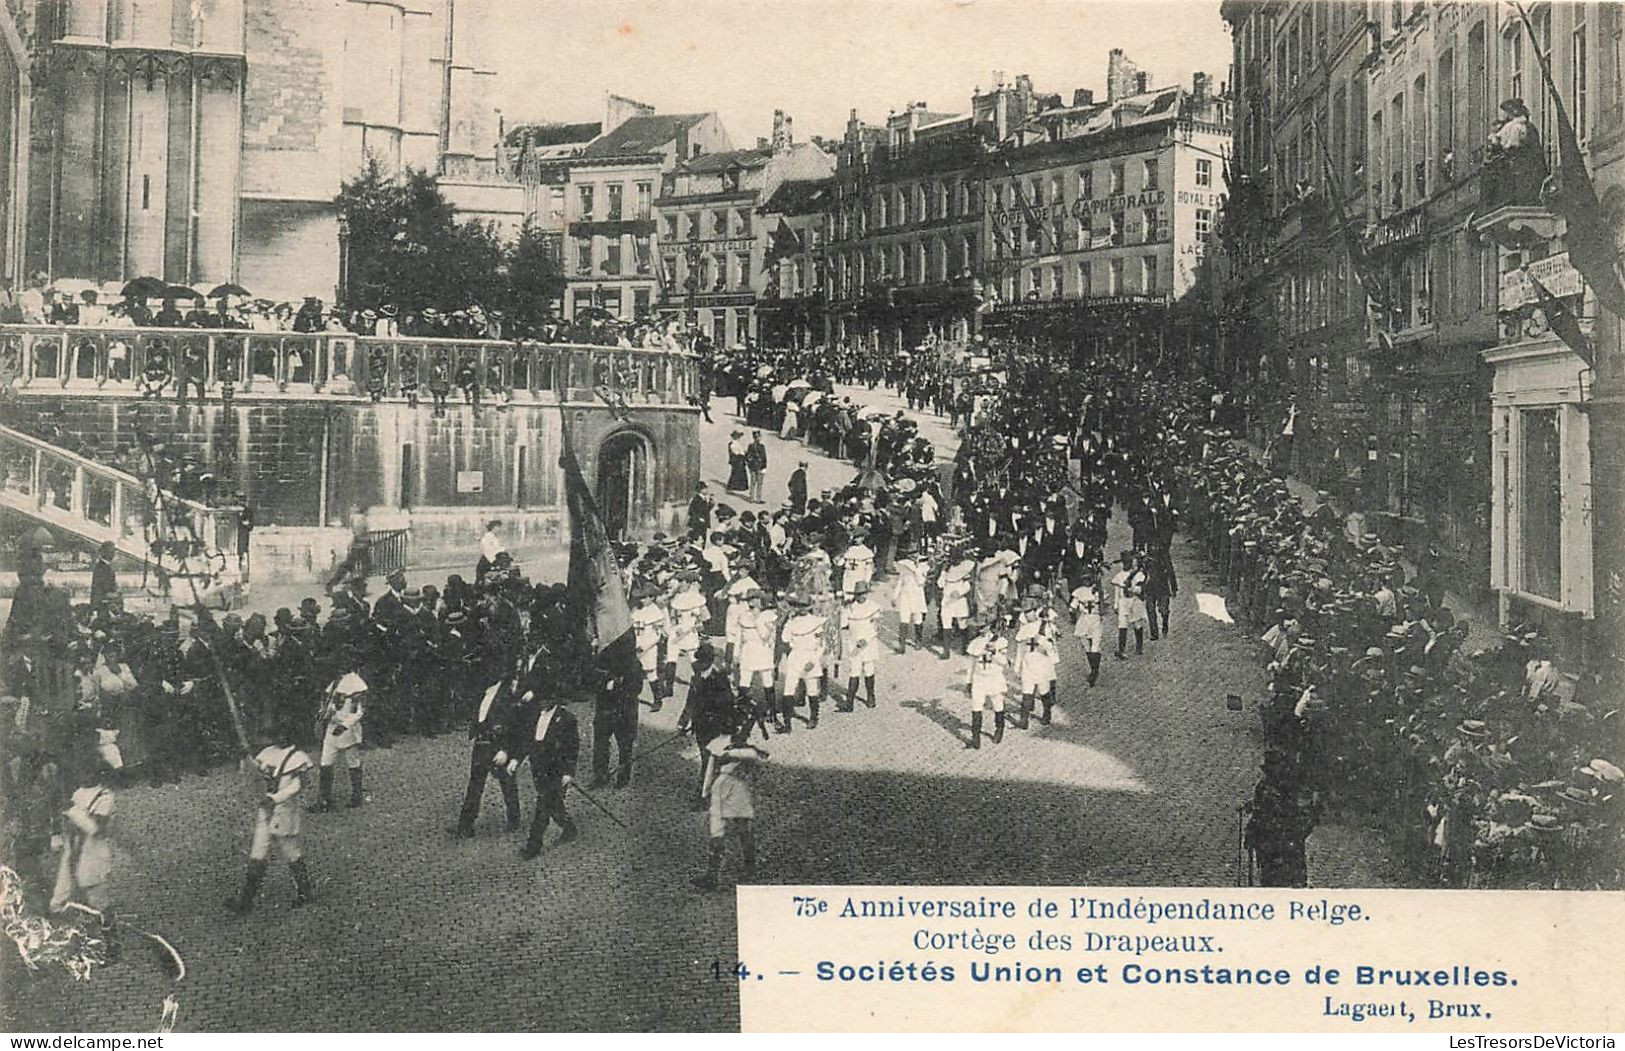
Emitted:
<point x="182" y="292"/>
<point x="229" y="290"/>
<point x="144" y="288"/>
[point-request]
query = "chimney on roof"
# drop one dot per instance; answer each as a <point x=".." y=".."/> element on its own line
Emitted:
<point x="761" y="142"/>
<point x="1083" y="97"/>
<point x="1123" y="77"/>
<point x="1201" y="86"/>
<point x="779" y="134"/>
<point x="789" y="131"/>
<point x="618" y="109"/>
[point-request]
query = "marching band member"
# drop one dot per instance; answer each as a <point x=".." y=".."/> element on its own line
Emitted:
<point x="652" y="628"/>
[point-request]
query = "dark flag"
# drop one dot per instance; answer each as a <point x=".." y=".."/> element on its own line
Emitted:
<point x="1561" y="320"/>
<point x="1365" y="268"/>
<point x="596" y="593"/>
<point x="1590" y="237"/>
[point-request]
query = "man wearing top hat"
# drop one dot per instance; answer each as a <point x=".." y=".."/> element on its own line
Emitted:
<point x="491" y="733"/>
<point x="708" y="710"/>
<point x="619" y="678"/>
<point x="546" y="733"/>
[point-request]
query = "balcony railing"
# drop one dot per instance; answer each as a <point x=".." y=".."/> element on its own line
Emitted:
<point x="177" y="363"/>
<point x="104" y="503"/>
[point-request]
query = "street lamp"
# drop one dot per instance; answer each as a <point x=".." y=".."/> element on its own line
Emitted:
<point x="344" y="258"/>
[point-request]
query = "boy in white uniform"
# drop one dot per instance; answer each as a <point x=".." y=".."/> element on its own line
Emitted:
<point x="1089" y="627"/>
<point x="986" y="681"/>
<point x="802" y="667"/>
<point x="688" y="613"/>
<point x="860" y="645"/>
<point x="955" y="583"/>
<point x="651" y="627"/>
<point x="1128" y="586"/>
<point x="758" y="634"/>
<point x="910" y="602"/>
<point x="738" y="606"/>
<point x="277" y="819"/>
<point x="731" y="791"/>
<point x="1035" y="662"/>
<point x="858" y="567"/>
<point x="341" y="738"/>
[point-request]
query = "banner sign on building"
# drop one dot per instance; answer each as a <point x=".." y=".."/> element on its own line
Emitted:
<point x="1555" y="272"/>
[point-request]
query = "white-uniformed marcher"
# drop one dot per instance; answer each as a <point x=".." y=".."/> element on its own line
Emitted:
<point x="1090" y="624"/>
<point x="758" y="635"/>
<point x="986" y="680"/>
<point x="1128" y="586"/>
<point x="801" y="668"/>
<point x="910" y="602"/>
<point x="1035" y="662"/>
<point x="340" y="727"/>
<point x="860" y="645"/>
<point x="857" y="567"/>
<point x="278" y="820"/>
<point x="955" y="585"/>
<point x="738" y="606"/>
<point x="650" y="627"/>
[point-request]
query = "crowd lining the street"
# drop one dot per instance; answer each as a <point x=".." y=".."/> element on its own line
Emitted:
<point x="1489" y="768"/>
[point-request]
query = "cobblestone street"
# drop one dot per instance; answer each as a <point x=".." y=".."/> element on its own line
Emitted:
<point x="1136" y="782"/>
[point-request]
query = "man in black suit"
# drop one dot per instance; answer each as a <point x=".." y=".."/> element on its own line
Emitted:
<point x="552" y="742"/>
<point x="615" y="712"/>
<point x="798" y="490"/>
<point x="492" y="733"/>
<point x="103" y="581"/>
<point x="709" y="711"/>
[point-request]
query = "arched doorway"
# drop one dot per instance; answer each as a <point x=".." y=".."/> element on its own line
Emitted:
<point x="623" y="482"/>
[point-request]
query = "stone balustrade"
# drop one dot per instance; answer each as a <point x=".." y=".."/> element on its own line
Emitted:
<point x="156" y="362"/>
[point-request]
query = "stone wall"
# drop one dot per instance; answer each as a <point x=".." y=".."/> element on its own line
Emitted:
<point x="385" y="463"/>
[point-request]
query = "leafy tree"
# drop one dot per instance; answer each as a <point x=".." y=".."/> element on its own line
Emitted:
<point x="535" y="281"/>
<point x="407" y="247"/>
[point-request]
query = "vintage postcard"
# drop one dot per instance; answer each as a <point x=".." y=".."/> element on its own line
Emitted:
<point x="811" y="515"/>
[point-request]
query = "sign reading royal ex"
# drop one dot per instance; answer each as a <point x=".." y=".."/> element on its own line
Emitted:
<point x="1043" y="213"/>
<point x="1554" y="272"/>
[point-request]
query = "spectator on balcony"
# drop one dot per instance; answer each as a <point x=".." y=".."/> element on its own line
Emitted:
<point x="468" y="380"/>
<point x="31" y="302"/>
<point x="63" y="310"/>
<point x="91" y="312"/>
<point x="169" y="315"/>
<point x="440" y="382"/>
<point x="387" y="326"/>
<point x="310" y="317"/>
<point x="1516" y="167"/>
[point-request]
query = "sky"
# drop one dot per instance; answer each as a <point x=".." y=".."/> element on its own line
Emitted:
<point x="817" y="59"/>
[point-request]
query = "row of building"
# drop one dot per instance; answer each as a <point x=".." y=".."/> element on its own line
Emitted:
<point x="206" y="141"/>
<point x="1446" y="404"/>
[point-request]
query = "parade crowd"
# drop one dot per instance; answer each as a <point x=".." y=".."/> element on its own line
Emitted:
<point x="1488" y="768"/>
